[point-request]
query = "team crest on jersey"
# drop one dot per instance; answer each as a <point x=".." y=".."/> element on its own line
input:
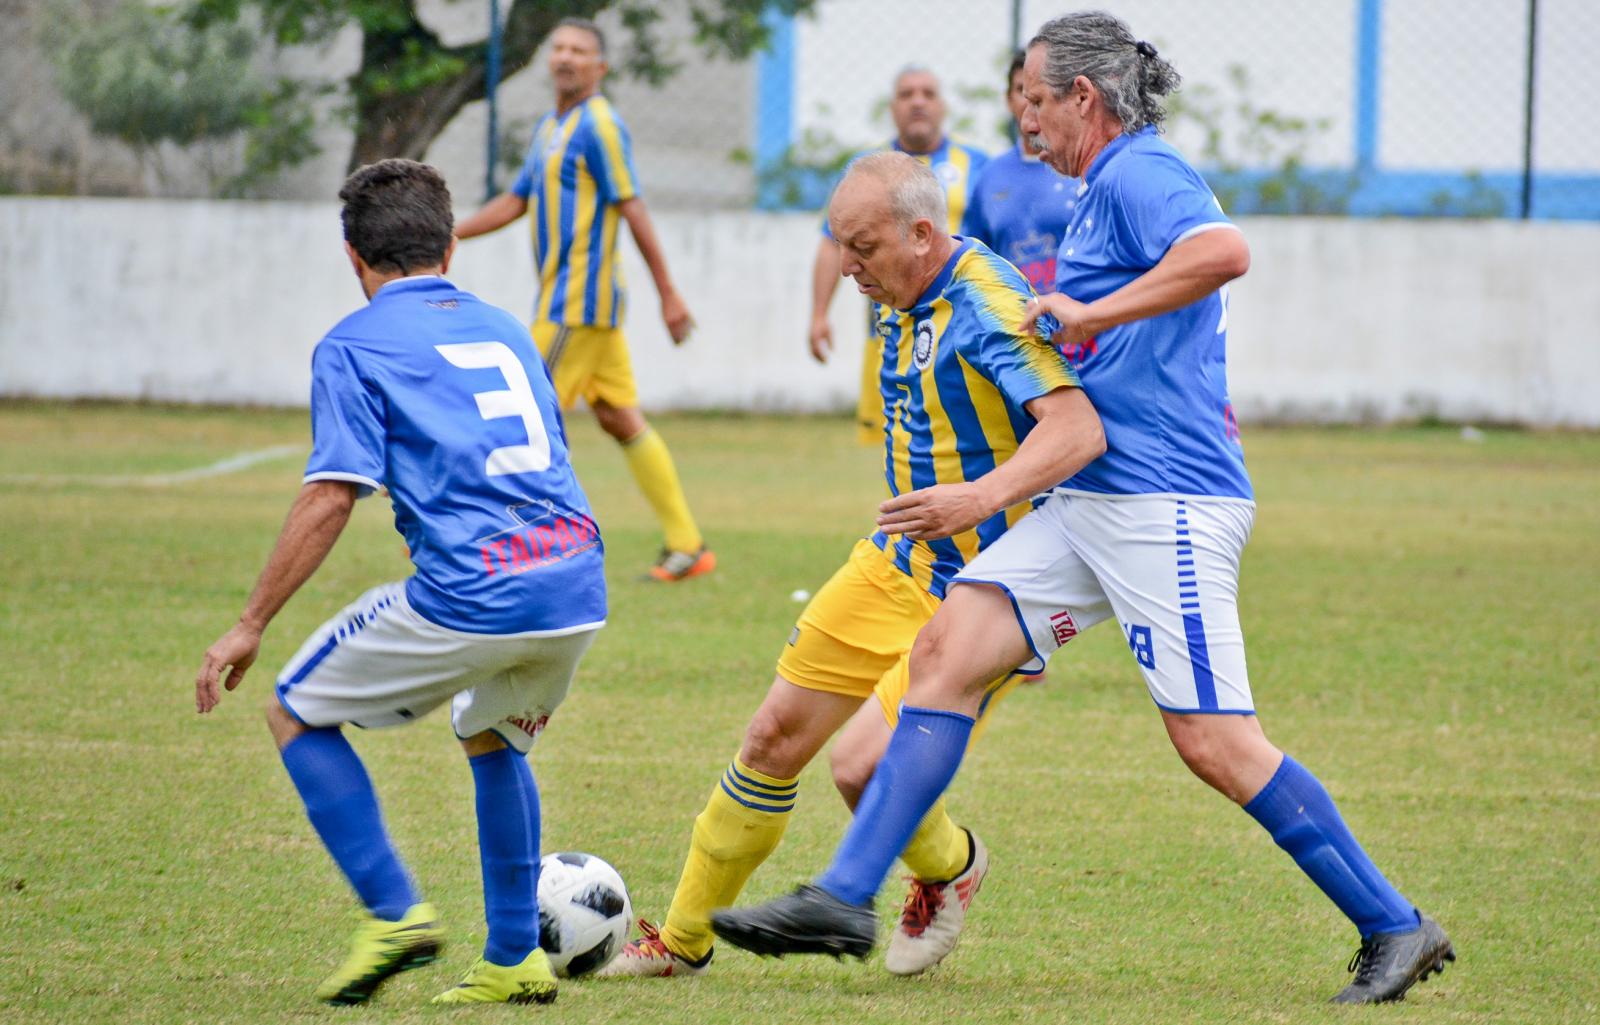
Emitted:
<point x="922" y="347"/>
<point x="948" y="173"/>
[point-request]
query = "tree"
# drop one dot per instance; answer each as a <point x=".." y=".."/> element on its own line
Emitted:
<point x="142" y="76"/>
<point x="410" y="84"/>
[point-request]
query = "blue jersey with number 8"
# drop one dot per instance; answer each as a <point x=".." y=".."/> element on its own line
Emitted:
<point x="441" y="398"/>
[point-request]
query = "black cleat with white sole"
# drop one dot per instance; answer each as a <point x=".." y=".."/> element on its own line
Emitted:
<point x="808" y="921"/>
<point x="1389" y="963"/>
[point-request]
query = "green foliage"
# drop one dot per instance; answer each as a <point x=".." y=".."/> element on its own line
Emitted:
<point x="145" y="76"/>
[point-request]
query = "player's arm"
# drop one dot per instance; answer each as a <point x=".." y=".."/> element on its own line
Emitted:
<point x="674" y="312"/>
<point x="824" y="279"/>
<point x="315" y="520"/>
<point x="494" y="215"/>
<point x="1067" y="437"/>
<point x="1190" y="270"/>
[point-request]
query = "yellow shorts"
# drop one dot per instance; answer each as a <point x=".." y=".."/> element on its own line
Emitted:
<point x="855" y="636"/>
<point x="591" y="362"/>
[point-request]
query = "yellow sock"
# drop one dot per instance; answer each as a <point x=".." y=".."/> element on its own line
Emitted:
<point x="652" y="467"/>
<point x="938" y="850"/>
<point x="740" y="826"/>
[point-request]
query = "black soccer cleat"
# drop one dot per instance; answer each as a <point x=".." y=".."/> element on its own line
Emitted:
<point x="1389" y="963"/>
<point x="808" y="921"/>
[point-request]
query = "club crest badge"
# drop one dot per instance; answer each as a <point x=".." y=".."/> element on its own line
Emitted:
<point x="922" y="347"/>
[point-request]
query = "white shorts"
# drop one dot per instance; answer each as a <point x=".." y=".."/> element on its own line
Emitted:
<point x="1166" y="566"/>
<point x="379" y="663"/>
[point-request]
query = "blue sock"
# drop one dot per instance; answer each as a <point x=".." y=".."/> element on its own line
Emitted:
<point x="508" y="844"/>
<point x="922" y="759"/>
<point x="1296" y="809"/>
<point x="343" y="809"/>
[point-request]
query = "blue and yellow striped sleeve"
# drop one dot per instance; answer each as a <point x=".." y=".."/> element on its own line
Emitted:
<point x="611" y="154"/>
<point x="1023" y="365"/>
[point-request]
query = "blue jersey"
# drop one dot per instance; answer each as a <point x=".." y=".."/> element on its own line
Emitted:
<point x="443" y="399"/>
<point x="1160" y="384"/>
<point x="1020" y="208"/>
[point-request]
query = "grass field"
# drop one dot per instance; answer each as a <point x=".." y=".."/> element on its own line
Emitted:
<point x="1423" y="615"/>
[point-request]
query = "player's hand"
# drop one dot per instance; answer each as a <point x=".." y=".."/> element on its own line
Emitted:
<point x="1073" y="316"/>
<point x="675" y="314"/>
<point x="939" y="511"/>
<point x="234" y="652"/>
<point x="821" y="339"/>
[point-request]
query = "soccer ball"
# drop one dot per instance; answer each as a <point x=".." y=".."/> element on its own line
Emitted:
<point x="584" y="913"/>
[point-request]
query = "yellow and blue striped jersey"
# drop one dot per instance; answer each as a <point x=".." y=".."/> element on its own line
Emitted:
<point x="578" y="169"/>
<point x="957" y="370"/>
<point x="955" y="164"/>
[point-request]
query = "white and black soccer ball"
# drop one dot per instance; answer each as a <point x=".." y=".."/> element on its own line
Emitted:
<point x="584" y="912"/>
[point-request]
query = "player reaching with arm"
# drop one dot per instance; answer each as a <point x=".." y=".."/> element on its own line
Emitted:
<point x="992" y="414"/>
<point x="917" y="107"/>
<point x="440" y="398"/>
<point x="1150" y="533"/>
<point x="579" y="182"/>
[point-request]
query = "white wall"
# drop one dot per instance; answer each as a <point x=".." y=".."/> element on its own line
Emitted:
<point x="1338" y="320"/>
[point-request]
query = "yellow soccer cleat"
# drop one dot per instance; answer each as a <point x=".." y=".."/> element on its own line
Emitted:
<point x="531" y="982"/>
<point x="381" y="949"/>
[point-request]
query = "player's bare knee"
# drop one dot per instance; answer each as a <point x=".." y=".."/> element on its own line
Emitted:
<point x="851" y="773"/>
<point x="624" y="423"/>
<point x="770" y="747"/>
<point x="283" y="726"/>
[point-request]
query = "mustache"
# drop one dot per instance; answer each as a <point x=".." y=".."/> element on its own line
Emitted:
<point x="1034" y="143"/>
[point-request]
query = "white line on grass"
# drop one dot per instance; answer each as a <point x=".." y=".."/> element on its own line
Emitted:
<point x="232" y="464"/>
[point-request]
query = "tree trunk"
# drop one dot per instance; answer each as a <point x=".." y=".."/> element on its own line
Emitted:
<point x="391" y="122"/>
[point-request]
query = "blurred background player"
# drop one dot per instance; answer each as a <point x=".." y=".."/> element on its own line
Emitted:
<point x="917" y="108"/>
<point x="978" y="405"/>
<point x="1020" y="205"/>
<point x="580" y="179"/>
<point x="408" y="394"/>
<point x="1150" y="534"/>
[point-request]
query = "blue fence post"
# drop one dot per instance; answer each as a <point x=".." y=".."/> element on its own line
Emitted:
<point x="491" y="89"/>
<point x="774" y="115"/>
<point x="1369" y="82"/>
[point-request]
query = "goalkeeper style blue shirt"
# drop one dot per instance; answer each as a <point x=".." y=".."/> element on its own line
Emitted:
<point x="441" y="398"/>
<point x="957" y="371"/>
<point x="1160" y="384"/>
<point x="1020" y="207"/>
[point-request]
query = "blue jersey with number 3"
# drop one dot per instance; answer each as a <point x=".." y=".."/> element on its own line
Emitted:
<point x="1159" y="384"/>
<point x="441" y="398"/>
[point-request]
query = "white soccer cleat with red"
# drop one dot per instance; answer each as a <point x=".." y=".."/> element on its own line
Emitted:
<point x="931" y="922"/>
<point x="648" y="958"/>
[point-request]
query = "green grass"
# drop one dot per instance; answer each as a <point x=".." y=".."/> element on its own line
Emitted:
<point x="1423" y="616"/>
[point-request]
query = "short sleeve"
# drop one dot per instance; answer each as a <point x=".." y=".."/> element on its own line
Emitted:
<point x="610" y="156"/>
<point x="975" y="221"/>
<point x="523" y="186"/>
<point x="1163" y="202"/>
<point x="1023" y="365"/>
<point x="348" y="421"/>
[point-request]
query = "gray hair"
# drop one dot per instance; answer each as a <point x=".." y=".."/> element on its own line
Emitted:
<point x="914" y="192"/>
<point x="589" y="27"/>
<point x="913" y="69"/>
<point x="1128" y="74"/>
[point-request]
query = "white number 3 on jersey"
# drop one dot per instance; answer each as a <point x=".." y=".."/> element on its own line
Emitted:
<point x="516" y="400"/>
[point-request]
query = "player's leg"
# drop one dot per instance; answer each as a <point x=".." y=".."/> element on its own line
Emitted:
<point x="498" y="721"/>
<point x="1171" y="569"/>
<point x="947" y="862"/>
<point x="614" y="396"/>
<point x="846" y="637"/>
<point x="1029" y="595"/>
<point x="325" y="685"/>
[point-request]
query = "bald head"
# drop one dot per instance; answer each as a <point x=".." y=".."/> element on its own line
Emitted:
<point x="888" y="216"/>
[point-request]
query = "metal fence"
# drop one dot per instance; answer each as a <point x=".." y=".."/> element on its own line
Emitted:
<point x="1455" y="108"/>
